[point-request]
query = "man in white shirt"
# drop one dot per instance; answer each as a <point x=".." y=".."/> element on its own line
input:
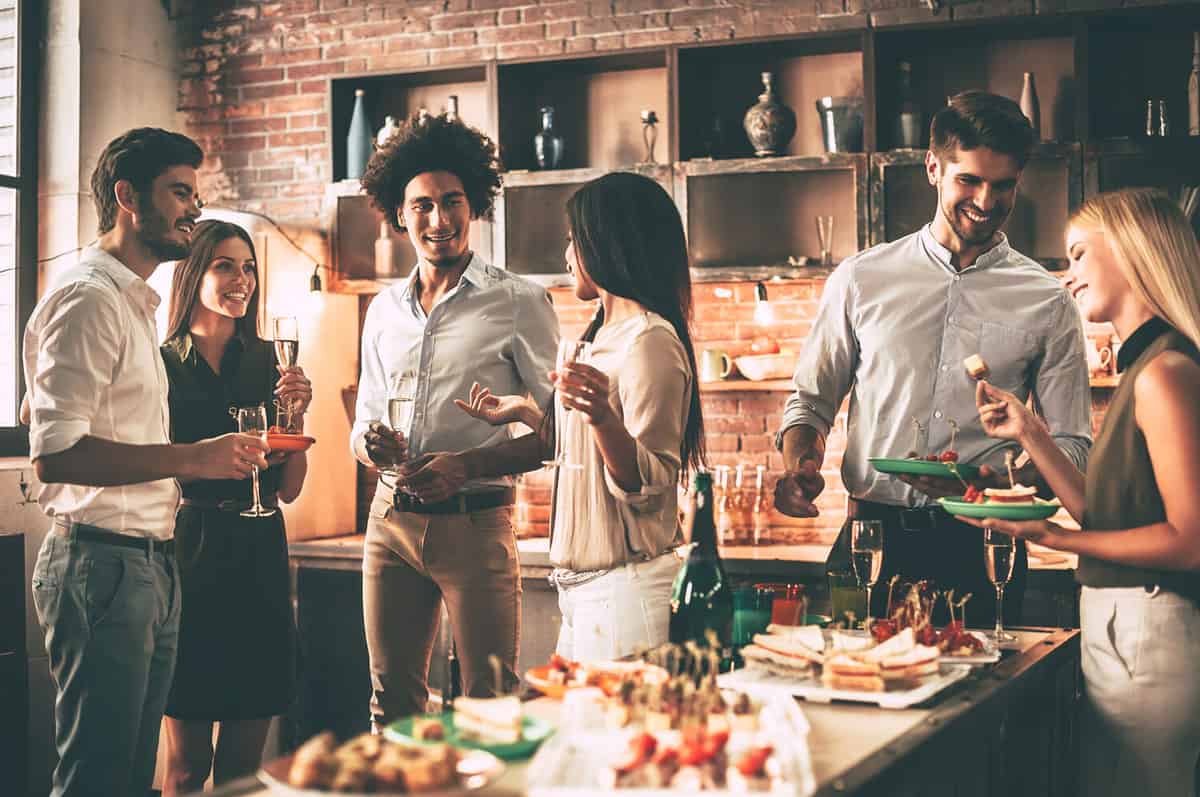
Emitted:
<point x="894" y="326"/>
<point x="442" y="533"/>
<point x="105" y="584"/>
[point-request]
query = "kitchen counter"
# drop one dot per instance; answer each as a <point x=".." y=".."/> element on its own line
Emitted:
<point x="1007" y="729"/>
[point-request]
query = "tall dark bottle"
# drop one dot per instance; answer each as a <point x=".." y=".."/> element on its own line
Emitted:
<point x="702" y="598"/>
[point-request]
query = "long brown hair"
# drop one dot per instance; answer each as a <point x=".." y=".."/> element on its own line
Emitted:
<point x="189" y="272"/>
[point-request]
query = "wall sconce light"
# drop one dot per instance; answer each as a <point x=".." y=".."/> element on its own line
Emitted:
<point x="764" y="314"/>
<point x="314" y="282"/>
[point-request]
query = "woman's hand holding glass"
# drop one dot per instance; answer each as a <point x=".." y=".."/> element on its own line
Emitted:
<point x="584" y="388"/>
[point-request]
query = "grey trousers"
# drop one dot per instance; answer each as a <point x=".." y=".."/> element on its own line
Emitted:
<point x="111" y="620"/>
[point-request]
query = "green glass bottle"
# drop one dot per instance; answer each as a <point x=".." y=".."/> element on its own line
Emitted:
<point x="702" y="597"/>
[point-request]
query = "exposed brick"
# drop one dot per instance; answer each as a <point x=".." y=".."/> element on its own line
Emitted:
<point x="243" y="143"/>
<point x="268" y="91"/>
<point x="517" y="33"/>
<point x="398" y="60"/>
<point x="991" y="8"/>
<point x="915" y="14"/>
<point x="614" y="41"/>
<point x="276" y="175"/>
<point x="251" y="76"/>
<point x="278" y="157"/>
<point x="701" y="17"/>
<point x="315" y="70"/>
<point x="239" y="127"/>
<point x="652" y="38"/>
<point x="312" y="87"/>
<point x="288" y="8"/>
<point x="294" y="105"/>
<point x="560" y="30"/>
<point x="376" y="30"/>
<point x="492" y="5"/>
<point x="364" y="49"/>
<point x="304" y="121"/>
<point x="421" y="41"/>
<point x="509" y="16"/>
<point x="581" y="44"/>
<point x="619" y="24"/>
<point x="297" y="138"/>
<point x="555" y="11"/>
<point x="301" y="190"/>
<point x="473" y="19"/>
<point x="638" y="6"/>
<point x="463" y="38"/>
<point x="466" y="55"/>
<point x="843" y="22"/>
<point x="347" y="16"/>
<point x="531" y="49"/>
<point x="299" y="56"/>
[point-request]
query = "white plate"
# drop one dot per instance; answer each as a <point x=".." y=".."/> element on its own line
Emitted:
<point x="573" y="762"/>
<point x="989" y="655"/>
<point x="476" y="769"/>
<point x="757" y="681"/>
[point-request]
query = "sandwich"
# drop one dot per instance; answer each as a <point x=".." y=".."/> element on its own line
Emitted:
<point x="922" y="660"/>
<point x="810" y="636"/>
<point x="850" y="643"/>
<point x="1017" y="494"/>
<point x="491" y="720"/>
<point x="976" y="368"/>
<point x="806" y="647"/>
<point x="845" y="672"/>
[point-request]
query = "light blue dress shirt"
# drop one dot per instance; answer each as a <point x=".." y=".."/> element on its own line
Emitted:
<point x="493" y="328"/>
<point x="894" y="326"/>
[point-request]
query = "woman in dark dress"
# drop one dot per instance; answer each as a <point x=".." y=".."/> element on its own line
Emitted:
<point x="235" y="663"/>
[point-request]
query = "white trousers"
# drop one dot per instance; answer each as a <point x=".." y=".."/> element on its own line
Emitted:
<point x="1141" y="713"/>
<point x="622" y="612"/>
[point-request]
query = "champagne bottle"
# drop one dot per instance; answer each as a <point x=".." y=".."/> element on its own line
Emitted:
<point x="908" y="120"/>
<point x="702" y="597"/>
<point x="384" y="251"/>
<point x="358" y="142"/>
<point x="1030" y="106"/>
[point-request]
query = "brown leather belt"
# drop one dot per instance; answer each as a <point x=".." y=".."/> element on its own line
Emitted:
<point x="228" y="504"/>
<point x="458" y="505"/>
<point x="82" y="531"/>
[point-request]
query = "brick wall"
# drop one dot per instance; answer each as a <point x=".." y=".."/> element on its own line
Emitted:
<point x="253" y="93"/>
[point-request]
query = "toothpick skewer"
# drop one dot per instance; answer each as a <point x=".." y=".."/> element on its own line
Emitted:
<point x="1008" y="463"/>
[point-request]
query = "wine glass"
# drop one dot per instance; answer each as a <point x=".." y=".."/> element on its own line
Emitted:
<point x="866" y="554"/>
<point x="287" y="351"/>
<point x="253" y="420"/>
<point x="401" y="400"/>
<point x="569" y="351"/>
<point x="999" y="552"/>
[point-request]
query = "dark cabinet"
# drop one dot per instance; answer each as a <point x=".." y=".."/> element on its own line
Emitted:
<point x="14" y="673"/>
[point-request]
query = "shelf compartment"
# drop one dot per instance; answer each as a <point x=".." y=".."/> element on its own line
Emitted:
<point x="990" y="57"/>
<point x="531" y="218"/>
<point x="401" y="95"/>
<point x="761" y="211"/>
<point x="597" y="103"/>
<point x="718" y="83"/>
<point x="902" y="201"/>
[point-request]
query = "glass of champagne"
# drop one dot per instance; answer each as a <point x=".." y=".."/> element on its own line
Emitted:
<point x="287" y="351"/>
<point x="866" y="554"/>
<point x="999" y="552"/>
<point x="569" y="351"/>
<point x="253" y="420"/>
<point x="401" y="400"/>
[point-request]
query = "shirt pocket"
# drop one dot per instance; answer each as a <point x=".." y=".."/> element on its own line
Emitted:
<point x="1009" y="353"/>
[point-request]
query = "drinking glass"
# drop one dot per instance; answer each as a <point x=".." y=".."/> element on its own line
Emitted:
<point x="569" y="351"/>
<point x="825" y="239"/>
<point x="287" y="352"/>
<point x="253" y="420"/>
<point x="401" y="399"/>
<point x="866" y="555"/>
<point x="999" y="552"/>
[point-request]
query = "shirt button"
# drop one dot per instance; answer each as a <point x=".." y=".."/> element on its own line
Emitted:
<point x="950" y="319"/>
<point x="957" y="277"/>
<point x="944" y="366"/>
<point x="937" y="414"/>
<point x="429" y="333"/>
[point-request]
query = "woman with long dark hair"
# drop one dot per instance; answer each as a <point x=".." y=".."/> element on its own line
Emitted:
<point x="235" y="660"/>
<point x="629" y="419"/>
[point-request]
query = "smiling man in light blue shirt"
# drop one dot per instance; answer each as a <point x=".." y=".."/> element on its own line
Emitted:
<point x="893" y="329"/>
<point x="434" y="533"/>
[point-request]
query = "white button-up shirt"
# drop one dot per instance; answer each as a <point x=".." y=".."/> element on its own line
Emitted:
<point x="894" y="326"/>
<point x="93" y="368"/>
<point x="493" y="328"/>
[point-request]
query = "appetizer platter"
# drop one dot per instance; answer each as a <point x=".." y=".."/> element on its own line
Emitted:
<point x="372" y="765"/>
<point x="680" y="738"/>
<point x="497" y="725"/>
<point x="992" y="503"/>
<point x="279" y="440"/>
<point x="555" y="678"/>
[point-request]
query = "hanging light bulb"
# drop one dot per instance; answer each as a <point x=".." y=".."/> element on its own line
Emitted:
<point x="764" y="314"/>
<point x="314" y="282"/>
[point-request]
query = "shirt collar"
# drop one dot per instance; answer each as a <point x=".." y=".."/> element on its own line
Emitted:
<point x="1140" y="340"/>
<point x="186" y="348"/>
<point x="475" y="274"/>
<point x="126" y="280"/>
<point x="996" y="254"/>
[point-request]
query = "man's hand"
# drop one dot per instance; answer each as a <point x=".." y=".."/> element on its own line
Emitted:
<point x="384" y="446"/>
<point x="230" y="456"/>
<point x="433" y="477"/>
<point x="796" y="490"/>
<point x="948" y="486"/>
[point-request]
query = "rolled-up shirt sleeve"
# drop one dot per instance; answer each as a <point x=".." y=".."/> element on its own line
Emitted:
<point x="1062" y="386"/>
<point x="78" y="336"/>
<point x="826" y="366"/>
<point x="372" y="388"/>
<point x="534" y="340"/>
<point x="654" y="392"/>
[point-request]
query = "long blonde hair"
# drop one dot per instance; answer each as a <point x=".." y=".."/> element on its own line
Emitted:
<point x="1156" y="249"/>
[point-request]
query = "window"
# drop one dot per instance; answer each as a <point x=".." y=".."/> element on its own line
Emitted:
<point x="18" y="206"/>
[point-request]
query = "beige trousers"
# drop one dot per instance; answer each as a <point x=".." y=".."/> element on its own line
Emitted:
<point x="411" y="563"/>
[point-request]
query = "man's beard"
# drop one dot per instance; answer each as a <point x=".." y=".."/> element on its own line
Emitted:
<point x="988" y="229"/>
<point x="152" y="234"/>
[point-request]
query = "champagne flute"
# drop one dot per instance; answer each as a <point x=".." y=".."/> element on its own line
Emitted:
<point x="287" y="351"/>
<point x="253" y="420"/>
<point x="569" y="351"/>
<point x="866" y="555"/>
<point x="401" y="401"/>
<point x="999" y="553"/>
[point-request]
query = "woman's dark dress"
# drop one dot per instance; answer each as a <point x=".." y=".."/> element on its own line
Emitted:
<point x="236" y="655"/>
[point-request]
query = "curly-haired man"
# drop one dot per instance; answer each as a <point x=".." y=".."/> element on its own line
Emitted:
<point x="442" y="534"/>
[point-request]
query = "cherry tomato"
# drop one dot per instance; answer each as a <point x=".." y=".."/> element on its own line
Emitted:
<point x="949" y="455"/>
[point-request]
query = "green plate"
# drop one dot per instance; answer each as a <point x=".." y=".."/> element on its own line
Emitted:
<point x="1039" y="511"/>
<point x="922" y="467"/>
<point x="533" y="732"/>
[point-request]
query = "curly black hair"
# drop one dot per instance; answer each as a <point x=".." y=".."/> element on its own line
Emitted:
<point x="433" y="144"/>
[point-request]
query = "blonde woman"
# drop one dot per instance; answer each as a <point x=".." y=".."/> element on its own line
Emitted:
<point x="1135" y="263"/>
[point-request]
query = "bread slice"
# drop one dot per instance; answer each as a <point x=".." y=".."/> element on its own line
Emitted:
<point x="1017" y="494"/>
<point x="791" y="646"/>
<point x="850" y="643"/>
<point x="896" y="645"/>
<point x="491" y="720"/>
<point x="787" y="666"/>
<point x="920" y="661"/>
<point x="811" y="636"/>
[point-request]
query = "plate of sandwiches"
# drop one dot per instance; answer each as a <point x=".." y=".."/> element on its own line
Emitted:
<point x="373" y="765"/>
<point x="896" y="673"/>
<point x="1018" y="502"/>
<point x="496" y="724"/>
